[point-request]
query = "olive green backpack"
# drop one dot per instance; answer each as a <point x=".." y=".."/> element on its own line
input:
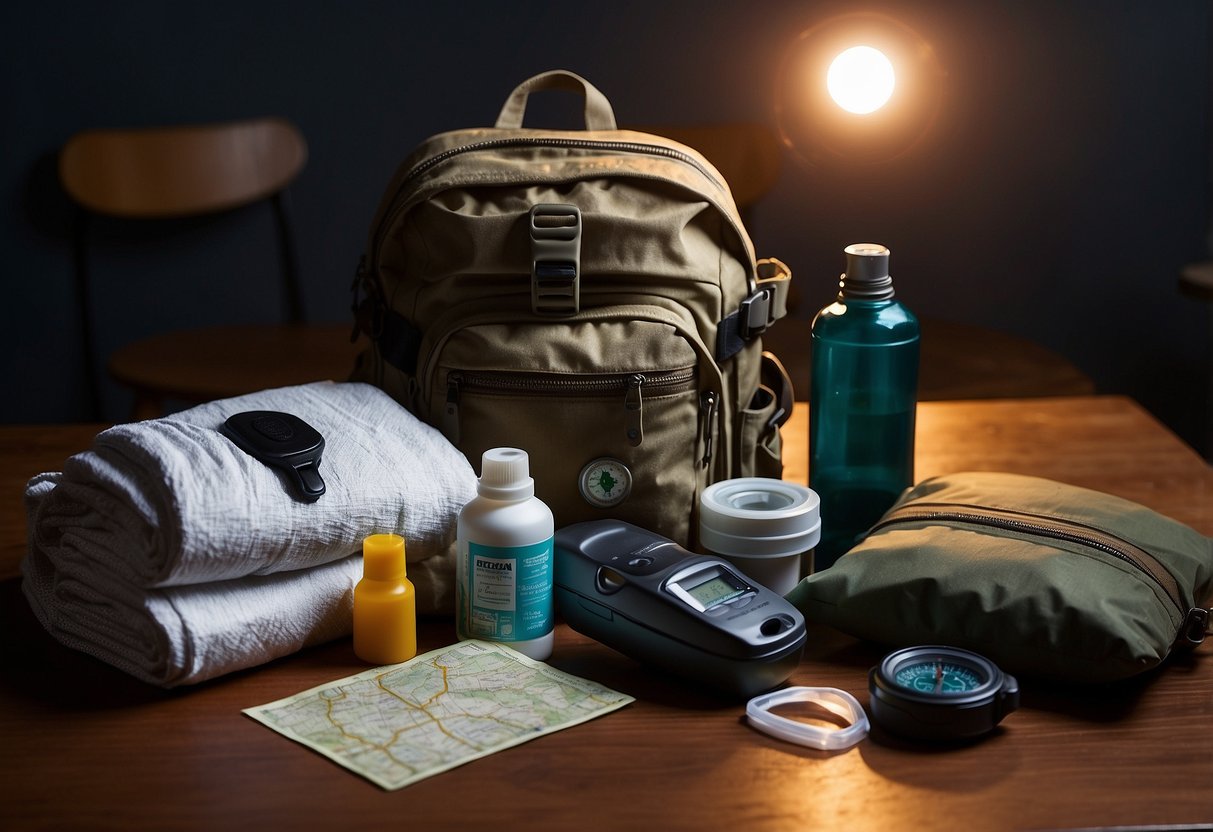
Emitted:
<point x="589" y="296"/>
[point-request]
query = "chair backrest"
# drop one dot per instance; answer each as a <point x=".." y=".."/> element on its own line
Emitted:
<point x="154" y="172"/>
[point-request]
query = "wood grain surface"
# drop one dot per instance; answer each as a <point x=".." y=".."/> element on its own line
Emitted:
<point x="958" y="361"/>
<point x="83" y="746"/>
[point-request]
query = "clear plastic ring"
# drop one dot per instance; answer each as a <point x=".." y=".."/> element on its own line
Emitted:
<point x="839" y="702"/>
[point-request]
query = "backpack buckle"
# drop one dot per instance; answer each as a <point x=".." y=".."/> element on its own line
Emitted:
<point x="555" y="259"/>
<point x="757" y="313"/>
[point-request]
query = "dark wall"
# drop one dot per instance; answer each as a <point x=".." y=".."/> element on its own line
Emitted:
<point x="1064" y="184"/>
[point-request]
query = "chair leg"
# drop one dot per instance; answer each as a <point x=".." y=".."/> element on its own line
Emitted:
<point x="289" y="259"/>
<point x="84" y="311"/>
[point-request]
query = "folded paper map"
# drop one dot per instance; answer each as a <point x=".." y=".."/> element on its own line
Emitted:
<point x="399" y="724"/>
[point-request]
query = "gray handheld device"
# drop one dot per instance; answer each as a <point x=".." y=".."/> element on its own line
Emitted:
<point x="694" y="615"/>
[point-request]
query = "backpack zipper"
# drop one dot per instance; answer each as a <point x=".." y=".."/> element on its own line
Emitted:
<point x="633" y="386"/>
<point x="576" y="144"/>
<point x="1195" y="620"/>
<point x="535" y="141"/>
<point x="707" y="416"/>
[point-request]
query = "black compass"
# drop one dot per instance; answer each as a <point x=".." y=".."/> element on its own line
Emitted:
<point x="940" y="693"/>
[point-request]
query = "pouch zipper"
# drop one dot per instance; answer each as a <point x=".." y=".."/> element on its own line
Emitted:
<point x="633" y="387"/>
<point x="1195" y="620"/>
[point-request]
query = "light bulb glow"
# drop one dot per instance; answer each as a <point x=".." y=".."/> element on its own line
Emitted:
<point x="861" y="80"/>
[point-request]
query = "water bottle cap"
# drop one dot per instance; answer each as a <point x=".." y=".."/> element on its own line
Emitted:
<point x="867" y="275"/>
<point x="505" y="475"/>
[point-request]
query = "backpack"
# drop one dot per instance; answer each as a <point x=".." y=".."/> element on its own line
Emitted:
<point x="589" y="296"/>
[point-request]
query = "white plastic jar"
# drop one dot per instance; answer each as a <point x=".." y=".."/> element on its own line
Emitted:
<point x="505" y="564"/>
<point x="767" y="528"/>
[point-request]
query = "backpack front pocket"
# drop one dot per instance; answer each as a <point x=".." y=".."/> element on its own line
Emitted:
<point x="629" y="439"/>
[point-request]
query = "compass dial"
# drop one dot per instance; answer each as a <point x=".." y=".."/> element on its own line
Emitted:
<point x="605" y="482"/>
<point x="939" y="676"/>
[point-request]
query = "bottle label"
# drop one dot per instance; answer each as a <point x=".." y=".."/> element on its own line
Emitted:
<point x="509" y="591"/>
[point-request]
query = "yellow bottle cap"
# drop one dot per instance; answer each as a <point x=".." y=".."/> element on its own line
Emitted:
<point x="383" y="557"/>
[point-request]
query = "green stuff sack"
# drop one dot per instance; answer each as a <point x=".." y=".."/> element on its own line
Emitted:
<point x="1044" y="578"/>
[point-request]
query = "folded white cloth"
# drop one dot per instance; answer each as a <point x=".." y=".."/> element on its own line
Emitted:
<point x="182" y="635"/>
<point x="168" y="552"/>
<point x="173" y="501"/>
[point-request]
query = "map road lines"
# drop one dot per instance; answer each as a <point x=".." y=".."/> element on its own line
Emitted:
<point x="399" y="724"/>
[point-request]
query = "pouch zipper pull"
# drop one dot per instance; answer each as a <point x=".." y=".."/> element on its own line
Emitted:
<point x="707" y="411"/>
<point x="1195" y="628"/>
<point x="450" y="413"/>
<point x="633" y="404"/>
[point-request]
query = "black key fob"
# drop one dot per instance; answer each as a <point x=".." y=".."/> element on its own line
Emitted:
<point x="282" y="441"/>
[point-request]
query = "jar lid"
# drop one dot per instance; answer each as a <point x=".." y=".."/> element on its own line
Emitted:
<point x="758" y="516"/>
<point x="505" y="474"/>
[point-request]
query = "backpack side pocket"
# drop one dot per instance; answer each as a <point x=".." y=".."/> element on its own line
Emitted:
<point x="759" y="445"/>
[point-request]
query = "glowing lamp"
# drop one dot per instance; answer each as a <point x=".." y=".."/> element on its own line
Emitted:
<point x="857" y="88"/>
<point x="861" y="80"/>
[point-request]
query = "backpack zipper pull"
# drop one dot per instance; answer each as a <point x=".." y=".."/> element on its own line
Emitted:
<point x="633" y="405"/>
<point x="707" y="411"/>
<point x="450" y="413"/>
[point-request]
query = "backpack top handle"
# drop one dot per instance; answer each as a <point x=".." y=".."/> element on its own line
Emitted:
<point x="598" y="112"/>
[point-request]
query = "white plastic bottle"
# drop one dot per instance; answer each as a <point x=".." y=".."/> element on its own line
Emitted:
<point x="505" y="564"/>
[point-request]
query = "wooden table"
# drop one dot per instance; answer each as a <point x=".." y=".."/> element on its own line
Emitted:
<point x="84" y="746"/>
<point x="958" y="361"/>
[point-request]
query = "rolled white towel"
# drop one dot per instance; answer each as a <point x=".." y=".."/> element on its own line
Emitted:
<point x="182" y="635"/>
<point x="172" y="501"/>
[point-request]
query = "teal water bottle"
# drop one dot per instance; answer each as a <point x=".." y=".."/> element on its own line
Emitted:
<point x="862" y="396"/>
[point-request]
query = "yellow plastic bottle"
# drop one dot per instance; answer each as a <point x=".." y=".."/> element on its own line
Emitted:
<point x="385" y="603"/>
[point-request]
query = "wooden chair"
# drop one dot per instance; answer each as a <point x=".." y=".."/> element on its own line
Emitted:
<point x="179" y="172"/>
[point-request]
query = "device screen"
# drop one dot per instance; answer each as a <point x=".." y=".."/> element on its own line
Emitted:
<point x="710" y="593"/>
<point x="710" y="590"/>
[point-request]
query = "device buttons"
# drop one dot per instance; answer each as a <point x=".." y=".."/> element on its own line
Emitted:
<point x="608" y="581"/>
<point x="640" y="562"/>
<point x="742" y="600"/>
